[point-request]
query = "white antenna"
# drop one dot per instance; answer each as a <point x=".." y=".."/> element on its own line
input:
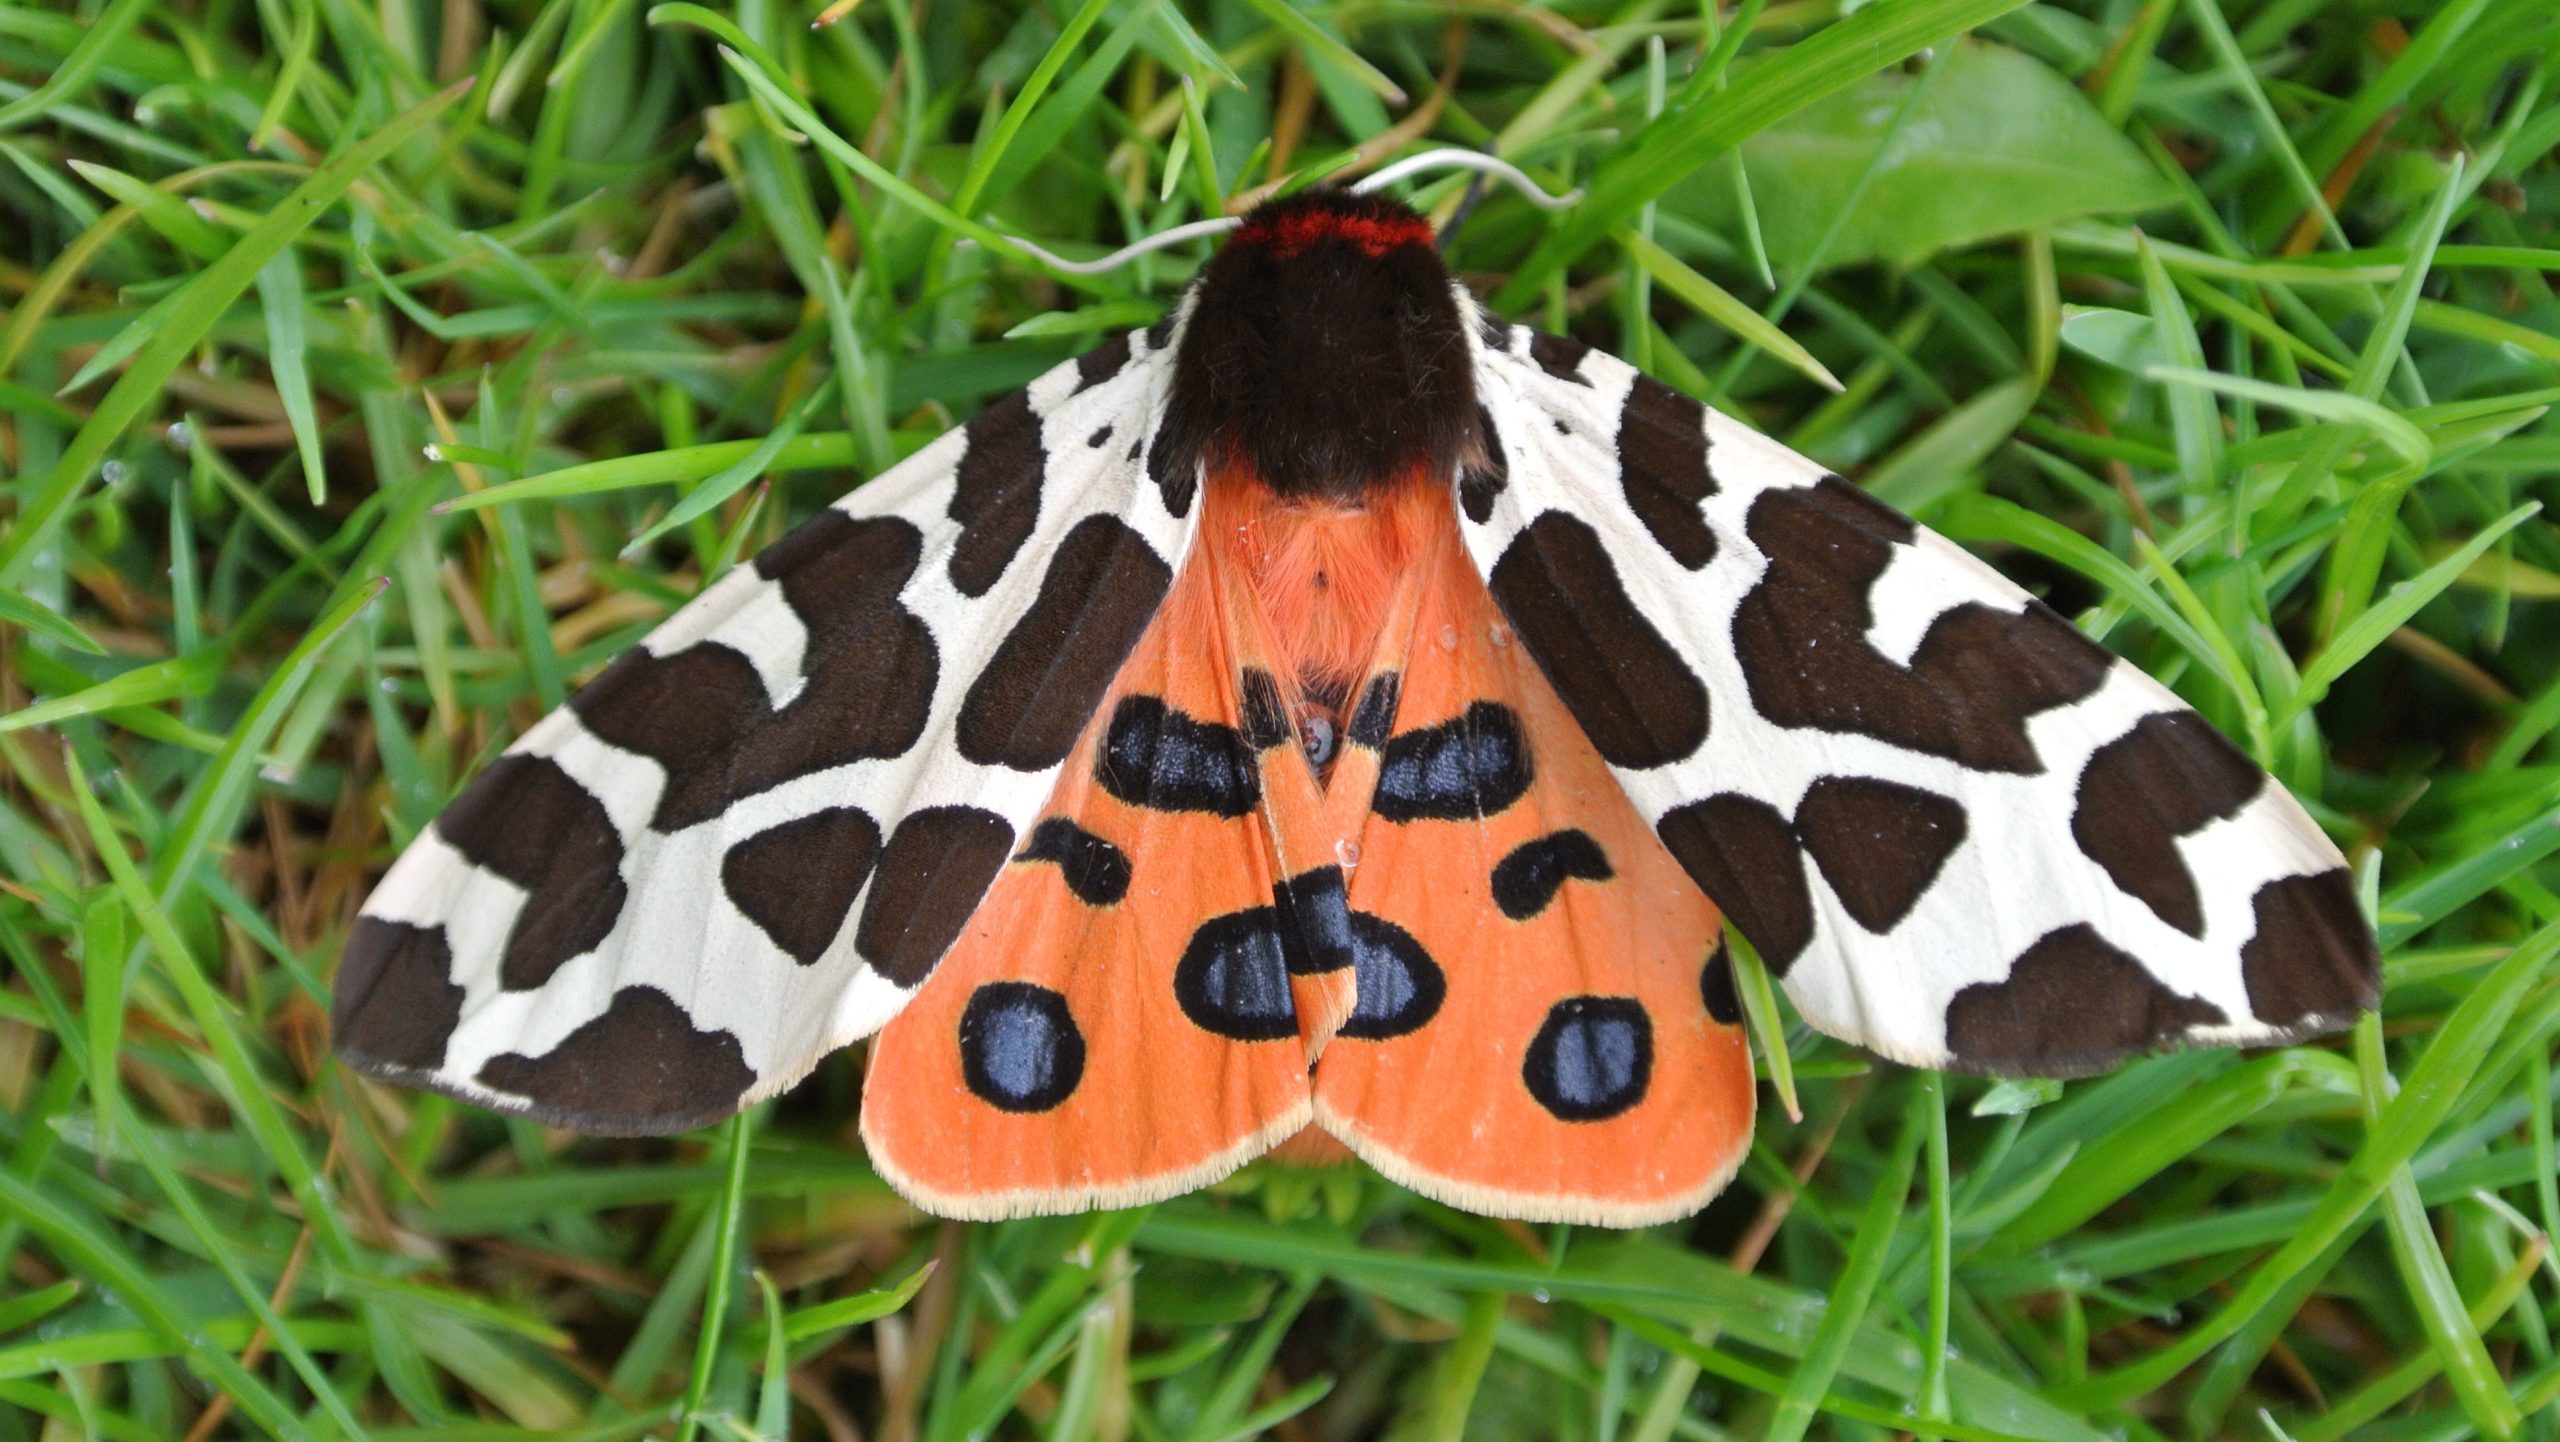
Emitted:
<point x="1443" y="159"/>
<point x="1216" y="225"/>
<point x="1475" y="160"/>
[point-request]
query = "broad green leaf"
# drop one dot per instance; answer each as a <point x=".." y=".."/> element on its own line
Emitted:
<point x="2000" y="145"/>
<point x="1699" y="127"/>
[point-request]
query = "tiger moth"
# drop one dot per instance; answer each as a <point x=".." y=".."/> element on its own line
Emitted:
<point x="1334" y="718"/>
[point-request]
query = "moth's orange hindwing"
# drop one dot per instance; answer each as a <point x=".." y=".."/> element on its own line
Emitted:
<point x="1115" y="1024"/>
<point x="1548" y="1030"/>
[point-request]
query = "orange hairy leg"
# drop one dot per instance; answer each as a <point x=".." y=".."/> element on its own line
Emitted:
<point x="981" y="1101"/>
<point x="1568" y="1067"/>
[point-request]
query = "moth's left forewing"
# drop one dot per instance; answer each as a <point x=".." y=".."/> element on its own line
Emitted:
<point x="1964" y="834"/>
<point x="749" y="840"/>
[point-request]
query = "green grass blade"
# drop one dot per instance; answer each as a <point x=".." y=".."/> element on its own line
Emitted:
<point x="1847" y="1307"/>
<point x="97" y="1257"/>
<point x="2392" y="611"/>
<point x="100" y="35"/>
<point x="142" y="686"/>
<point x="1695" y="129"/>
<point x="724" y="1223"/>
<point x="2429" y="1094"/>
<point x="1721" y="306"/>
<point x="199" y="306"/>
<point x="855" y="1311"/>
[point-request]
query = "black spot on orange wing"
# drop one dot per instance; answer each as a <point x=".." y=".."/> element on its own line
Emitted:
<point x="1878" y="843"/>
<point x="1376" y="718"/>
<point x="1716" y="987"/>
<point x="797" y="881"/>
<point x="1474" y="764"/>
<point x="1020" y="1048"/>
<point x="996" y="496"/>
<point x="1591" y="1059"/>
<point x="528" y="821"/>
<point x="1094" y="869"/>
<point x="1972" y="684"/>
<point x="1233" y="978"/>
<point x="1398" y="986"/>
<point x="1266" y="719"/>
<point x="931" y="876"/>
<point x="1662" y="463"/>
<point x="2072" y="1004"/>
<point x="1743" y="855"/>
<point x="396" y="1004"/>
<point x="1317" y="906"/>
<point x="1525" y="882"/>
<point x="1633" y="696"/>
<point x="2312" y="958"/>
<point x="2165" y="778"/>
<point x="641" y="1067"/>
<point x="1041" y="686"/>
<point x="1165" y="760"/>
<point x="870" y="667"/>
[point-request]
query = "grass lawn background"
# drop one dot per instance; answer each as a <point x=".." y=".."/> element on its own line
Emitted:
<point x="2226" y="324"/>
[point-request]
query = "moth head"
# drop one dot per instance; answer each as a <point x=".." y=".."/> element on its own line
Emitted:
<point x="1325" y="356"/>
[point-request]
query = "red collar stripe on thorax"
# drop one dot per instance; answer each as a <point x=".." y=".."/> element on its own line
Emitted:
<point x="1291" y="232"/>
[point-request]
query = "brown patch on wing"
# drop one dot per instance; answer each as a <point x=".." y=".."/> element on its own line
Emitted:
<point x="1878" y="843"/>
<point x="2167" y="777"/>
<point x="642" y="1067"/>
<point x="1662" y="465"/>
<point x="2071" y="1005"/>
<point x="1631" y="694"/>
<point x="868" y="670"/>
<point x="797" y="881"/>
<point x="1742" y="851"/>
<point x="396" y="1005"/>
<point x="937" y="865"/>
<point x="1978" y="675"/>
<point x="2312" y="957"/>
<point x="529" y="821"/>
<point x="996" y="494"/>
<point x="1026" y="709"/>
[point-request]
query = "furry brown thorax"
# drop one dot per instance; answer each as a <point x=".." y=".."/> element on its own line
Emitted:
<point x="1325" y="353"/>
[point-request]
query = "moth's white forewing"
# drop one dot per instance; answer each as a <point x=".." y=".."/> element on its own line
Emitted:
<point x="2111" y="973"/>
<point x="683" y="969"/>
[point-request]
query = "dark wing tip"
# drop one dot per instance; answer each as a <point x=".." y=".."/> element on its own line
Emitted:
<point x="2313" y="964"/>
<point x="395" y="1001"/>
